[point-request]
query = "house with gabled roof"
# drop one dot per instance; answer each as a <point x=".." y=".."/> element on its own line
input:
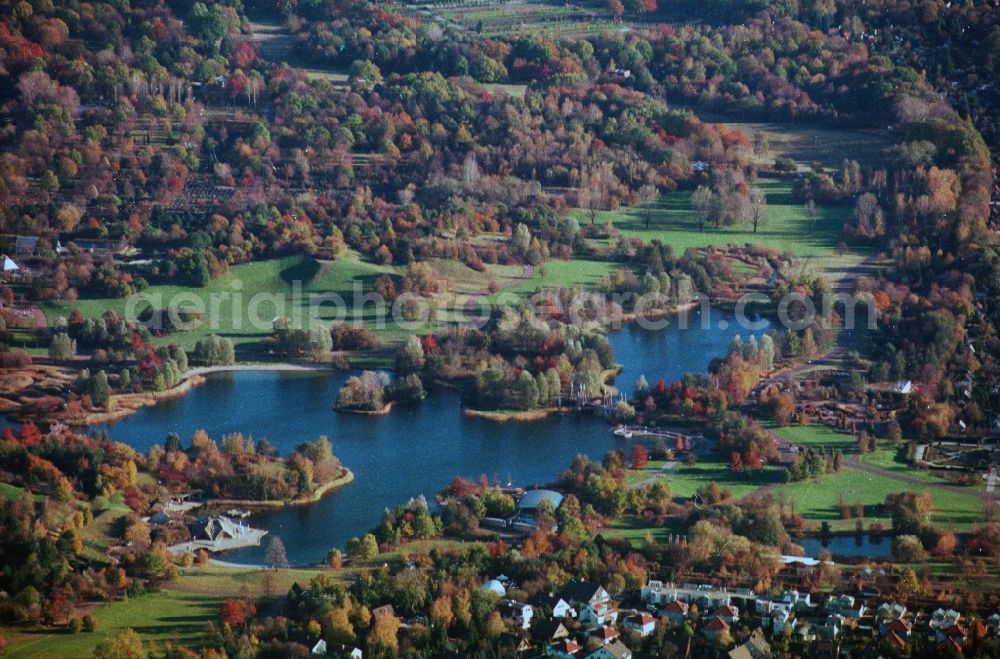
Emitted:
<point x="559" y="607"/>
<point x="729" y="613"/>
<point x="517" y="612"/>
<point x="676" y="611"/>
<point x="550" y="631"/>
<point x="612" y="650"/>
<point x="715" y="627"/>
<point x="604" y="634"/>
<point x="578" y="593"/>
<point x="564" y="649"/>
<point x="516" y="642"/>
<point x="756" y="647"/>
<point x="641" y="623"/>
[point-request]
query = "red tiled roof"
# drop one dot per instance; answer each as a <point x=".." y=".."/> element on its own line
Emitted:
<point x="899" y="623"/>
<point x="717" y="624"/>
<point x="605" y="633"/>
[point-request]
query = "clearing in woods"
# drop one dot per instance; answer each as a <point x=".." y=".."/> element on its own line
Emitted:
<point x="278" y="45"/>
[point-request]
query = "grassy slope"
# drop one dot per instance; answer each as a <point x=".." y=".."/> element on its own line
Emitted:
<point x="236" y="292"/>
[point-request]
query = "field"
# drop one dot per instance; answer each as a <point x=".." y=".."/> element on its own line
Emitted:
<point x="815" y="436"/>
<point x="808" y="144"/>
<point x="818" y="500"/>
<point x="247" y="298"/>
<point x="685" y="479"/>
<point x="158" y="617"/>
<point x="674" y="222"/>
<point x="493" y="17"/>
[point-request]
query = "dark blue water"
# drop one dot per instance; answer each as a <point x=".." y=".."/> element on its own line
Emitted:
<point x="414" y="450"/>
<point x="871" y="546"/>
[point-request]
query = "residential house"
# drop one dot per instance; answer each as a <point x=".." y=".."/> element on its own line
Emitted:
<point x="993" y="624"/>
<point x="756" y="647"/>
<point x="779" y="617"/>
<point x="676" y="612"/>
<point x="517" y="612"/>
<point x="604" y="635"/>
<point x="579" y="593"/>
<point x="846" y="606"/>
<point x="564" y="649"/>
<point x="831" y="626"/>
<point x="613" y="650"/>
<point x="729" y="613"/>
<point x="597" y="613"/>
<point x="956" y="633"/>
<point x="384" y="610"/>
<point x="796" y="599"/>
<point x="342" y="651"/>
<point x="889" y="611"/>
<point x="550" y="631"/>
<point x="515" y="642"/>
<point x="942" y="619"/>
<point x="560" y="608"/>
<point x="805" y="632"/>
<point x="900" y="627"/>
<point x="25" y="245"/>
<point x="9" y="267"/>
<point x="715" y="628"/>
<point x="641" y="623"/>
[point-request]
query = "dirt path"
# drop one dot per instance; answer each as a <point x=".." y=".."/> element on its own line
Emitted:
<point x="527" y="272"/>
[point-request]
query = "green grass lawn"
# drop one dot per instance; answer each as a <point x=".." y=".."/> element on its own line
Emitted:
<point x="247" y="298"/>
<point x="890" y="459"/>
<point x="636" y="475"/>
<point x="159" y="618"/>
<point x="635" y="529"/>
<point x="686" y="479"/>
<point x="559" y="273"/>
<point x="815" y="436"/>
<point x="674" y="222"/>
<point x="818" y="500"/>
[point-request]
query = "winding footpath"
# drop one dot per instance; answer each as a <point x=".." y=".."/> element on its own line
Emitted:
<point x="527" y="272"/>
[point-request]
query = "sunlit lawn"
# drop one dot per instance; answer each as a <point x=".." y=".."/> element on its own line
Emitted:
<point x="818" y="500"/>
<point x="160" y="617"/>
<point x="675" y="223"/>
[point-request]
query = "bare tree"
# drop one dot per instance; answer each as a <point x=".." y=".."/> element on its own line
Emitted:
<point x="758" y="207"/>
<point x="812" y="213"/>
<point x="701" y="201"/>
<point x="648" y="196"/>
<point x="595" y="189"/>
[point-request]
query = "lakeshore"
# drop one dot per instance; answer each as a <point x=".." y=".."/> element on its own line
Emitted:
<point x="417" y="449"/>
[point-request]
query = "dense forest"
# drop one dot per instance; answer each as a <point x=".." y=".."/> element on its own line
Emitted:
<point x="164" y="142"/>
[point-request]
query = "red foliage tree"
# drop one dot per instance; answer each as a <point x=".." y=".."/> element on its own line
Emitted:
<point x="640" y="456"/>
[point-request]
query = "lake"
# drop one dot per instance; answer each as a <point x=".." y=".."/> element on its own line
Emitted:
<point x="415" y="449"/>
